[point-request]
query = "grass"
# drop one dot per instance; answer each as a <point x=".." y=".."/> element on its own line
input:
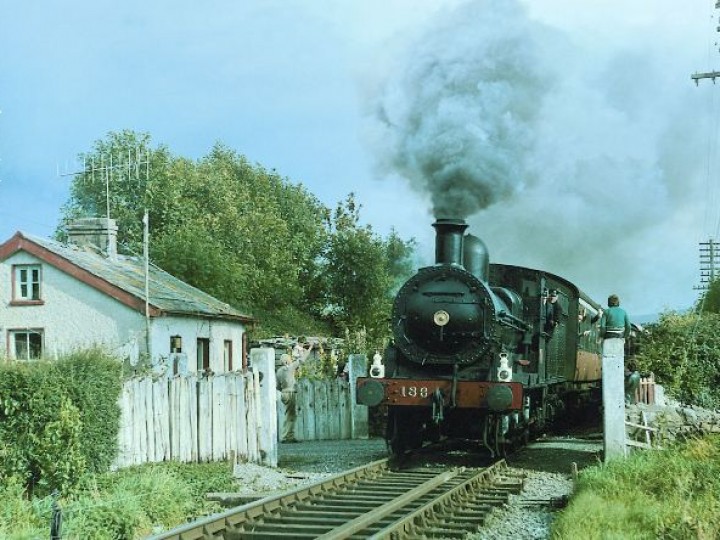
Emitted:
<point x="129" y="504"/>
<point x="673" y="494"/>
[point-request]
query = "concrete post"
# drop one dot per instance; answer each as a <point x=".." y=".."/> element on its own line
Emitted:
<point x="613" y="392"/>
<point x="357" y="367"/>
<point x="263" y="361"/>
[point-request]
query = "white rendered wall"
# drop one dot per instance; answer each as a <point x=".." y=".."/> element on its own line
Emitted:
<point x="77" y="316"/>
<point x="73" y="315"/>
<point x="191" y="328"/>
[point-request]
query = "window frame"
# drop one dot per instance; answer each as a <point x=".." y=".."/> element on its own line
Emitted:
<point x="202" y="362"/>
<point x="228" y="355"/>
<point x="13" y="334"/>
<point x="29" y="283"/>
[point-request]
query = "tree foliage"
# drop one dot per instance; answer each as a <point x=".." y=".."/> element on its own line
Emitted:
<point x="244" y="234"/>
<point x="709" y="302"/>
<point x="361" y="271"/>
<point x="682" y="350"/>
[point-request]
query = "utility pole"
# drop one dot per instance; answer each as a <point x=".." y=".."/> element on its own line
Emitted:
<point x="710" y="74"/>
<point x="709" y="262"/>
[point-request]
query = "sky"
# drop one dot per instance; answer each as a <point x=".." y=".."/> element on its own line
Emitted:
<point x="570" y="136"/>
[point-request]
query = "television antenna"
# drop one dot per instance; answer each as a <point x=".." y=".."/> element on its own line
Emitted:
<point x="112" y="166"/>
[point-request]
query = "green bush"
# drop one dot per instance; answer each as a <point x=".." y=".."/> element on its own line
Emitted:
<point x="682" y="351"/>
<point x="93" y="381"/>
<point x="58" y="419"/>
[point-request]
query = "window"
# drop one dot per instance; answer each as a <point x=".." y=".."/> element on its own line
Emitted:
<point x="203" y="354"/>
<point x="227" y="356"/>
<point x="26" y="282"/>
<point x="175" y="344"/>
<point x="27" y="344"/>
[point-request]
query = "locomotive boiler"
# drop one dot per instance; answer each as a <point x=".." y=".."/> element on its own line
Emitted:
<point x="479" y="351"/>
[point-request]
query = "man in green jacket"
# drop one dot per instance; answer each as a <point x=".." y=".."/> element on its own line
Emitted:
<point x="614" y="326"/>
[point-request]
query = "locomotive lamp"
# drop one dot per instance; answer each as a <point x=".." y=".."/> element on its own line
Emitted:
<point x="504" y="372"/>
<point x="377" y="369"/>
<point x="441" y="317"/>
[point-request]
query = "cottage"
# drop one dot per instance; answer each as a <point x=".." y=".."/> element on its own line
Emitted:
<point x="55" y="298"/>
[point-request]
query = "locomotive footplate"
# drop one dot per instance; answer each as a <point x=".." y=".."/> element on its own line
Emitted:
<point x="419" y="392"/>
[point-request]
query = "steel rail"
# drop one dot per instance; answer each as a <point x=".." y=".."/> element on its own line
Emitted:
<point x="364" y="520"/>
<point x="455" y="503"/>
<point x="370" y="501"/>
<point x="215" y="524"/>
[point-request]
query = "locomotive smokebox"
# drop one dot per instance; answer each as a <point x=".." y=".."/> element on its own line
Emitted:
<point x="449" y="241"/>
<point x="476" y="258"/>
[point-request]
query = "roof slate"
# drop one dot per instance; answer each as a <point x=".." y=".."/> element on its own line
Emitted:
<point x="166" y="292"/>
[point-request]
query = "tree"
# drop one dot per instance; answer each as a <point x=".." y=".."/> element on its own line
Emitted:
<point x="682" y="351"/>
<point x="244" y="234"/>
<point x="238" y="231"/>
<point x="709" y="302"/>
<point x="361" y="272"/>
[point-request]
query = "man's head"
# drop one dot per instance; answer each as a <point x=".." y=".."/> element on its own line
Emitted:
<point x="285" y="358"/>
<point x="553" y="295"/>
<point x="613" y="300"/>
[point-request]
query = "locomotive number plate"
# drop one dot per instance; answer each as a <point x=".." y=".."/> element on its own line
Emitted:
<point x="469" y="394"/>
<point x="415" y="391"/>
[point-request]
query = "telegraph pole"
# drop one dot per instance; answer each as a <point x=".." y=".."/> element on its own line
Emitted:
<point x="710" y="74"/>
<point x="709" y="262"/>
<point x="710" y="250"/>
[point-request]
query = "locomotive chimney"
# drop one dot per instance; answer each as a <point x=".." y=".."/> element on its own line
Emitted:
<point x="449" y="240"/>
<point x="476" y="258"/>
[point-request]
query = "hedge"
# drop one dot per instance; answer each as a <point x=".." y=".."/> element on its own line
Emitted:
<point x="58" y="419"/>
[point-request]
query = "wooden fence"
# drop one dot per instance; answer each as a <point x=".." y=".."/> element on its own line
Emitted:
<point x="324" y="410"/>
<point x="195" y="418"/>
<point x="191" y="418"/>
<point x="646" y="390"/>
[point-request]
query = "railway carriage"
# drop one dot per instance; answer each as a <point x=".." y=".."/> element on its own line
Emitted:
<point x="477" y="351"/>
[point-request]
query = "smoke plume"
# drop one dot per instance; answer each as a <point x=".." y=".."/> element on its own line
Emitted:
<point x="576" y="161"/>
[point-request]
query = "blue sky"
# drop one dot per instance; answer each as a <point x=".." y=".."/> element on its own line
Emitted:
<point x="327" y="93"/>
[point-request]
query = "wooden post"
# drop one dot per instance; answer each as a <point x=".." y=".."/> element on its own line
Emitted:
<point x="613" y="392"/>
<point x="357" y="367"/>
<point x="263" y="362"/>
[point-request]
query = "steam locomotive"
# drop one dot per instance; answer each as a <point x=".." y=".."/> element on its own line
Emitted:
<point x="479" y="351"/>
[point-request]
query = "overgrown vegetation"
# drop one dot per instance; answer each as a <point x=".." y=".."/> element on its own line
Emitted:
<point x="673" y="493"/>
<point x="128" y="504"/>
<point x="58" y="420"/>
<point x="249" y="237"/>
<point x="683" y="350"/>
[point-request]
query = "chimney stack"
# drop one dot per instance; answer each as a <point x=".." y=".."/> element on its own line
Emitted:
<point x="98" y="233"/>
<point x="449" y="240"/>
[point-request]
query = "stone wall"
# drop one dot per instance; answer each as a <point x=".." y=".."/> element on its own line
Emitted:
<point x="669" y="422"/>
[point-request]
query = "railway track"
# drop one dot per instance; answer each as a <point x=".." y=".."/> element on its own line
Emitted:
<point x="371" y="501"/>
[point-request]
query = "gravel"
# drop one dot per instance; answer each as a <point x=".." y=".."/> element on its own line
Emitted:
<point x="547" y="465"/>
<point x="306" y="463"/>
